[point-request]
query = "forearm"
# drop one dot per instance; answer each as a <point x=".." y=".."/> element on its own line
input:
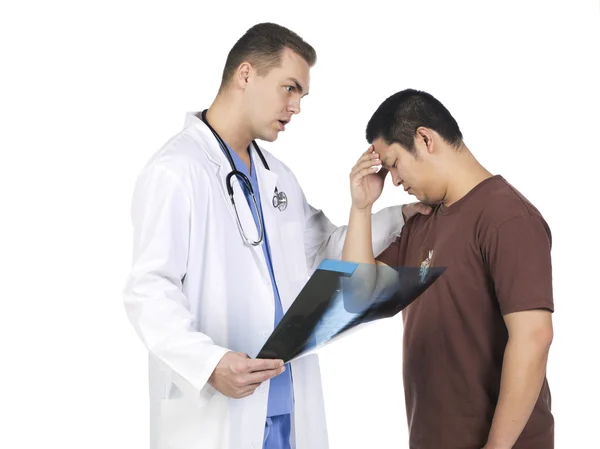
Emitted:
<point x="358" y="245"/>
<point x="523" y="373"/>
<point x="358" y="248"/>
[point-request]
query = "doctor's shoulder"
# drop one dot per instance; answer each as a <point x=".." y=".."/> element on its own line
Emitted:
<point x="182" y="158"/>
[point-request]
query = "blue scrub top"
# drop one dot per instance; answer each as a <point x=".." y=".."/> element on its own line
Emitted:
<point x="281" y="396"/>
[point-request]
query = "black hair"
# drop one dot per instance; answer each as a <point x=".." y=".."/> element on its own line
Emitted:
<point x="396" y="120"/>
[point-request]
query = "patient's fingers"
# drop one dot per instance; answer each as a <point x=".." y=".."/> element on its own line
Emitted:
<point x="367" y="160"/>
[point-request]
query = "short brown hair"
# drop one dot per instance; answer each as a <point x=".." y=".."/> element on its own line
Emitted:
<point x="262" y="46"/>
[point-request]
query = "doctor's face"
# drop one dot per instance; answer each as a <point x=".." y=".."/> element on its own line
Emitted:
<point x="273" y="99"/>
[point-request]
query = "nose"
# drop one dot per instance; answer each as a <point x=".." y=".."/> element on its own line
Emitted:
<point x="396" y="179"/>
<point x="294" y="106"/>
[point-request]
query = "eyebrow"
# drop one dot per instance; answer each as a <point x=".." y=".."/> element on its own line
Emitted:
<point x="298" y="86"/>
<point x="385" y="164"/>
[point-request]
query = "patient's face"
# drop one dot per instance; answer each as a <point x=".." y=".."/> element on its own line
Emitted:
<point x="415" y="172"/>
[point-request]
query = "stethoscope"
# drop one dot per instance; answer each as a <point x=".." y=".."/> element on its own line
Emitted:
<point x="279" y="198"/>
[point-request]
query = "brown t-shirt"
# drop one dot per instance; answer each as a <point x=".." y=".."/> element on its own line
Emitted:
<point x="495" y="246"/>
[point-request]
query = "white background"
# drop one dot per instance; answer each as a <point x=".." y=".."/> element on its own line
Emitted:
<point x="89" y="90"/>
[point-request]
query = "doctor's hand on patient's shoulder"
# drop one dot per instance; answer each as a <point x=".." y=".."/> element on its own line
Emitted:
<point x="410" y="209"/>
<point x="237" y="375"/>
<point x="366" y="182"/>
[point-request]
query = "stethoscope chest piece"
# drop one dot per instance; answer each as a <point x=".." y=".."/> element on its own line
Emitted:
<point x="280" y="200"/>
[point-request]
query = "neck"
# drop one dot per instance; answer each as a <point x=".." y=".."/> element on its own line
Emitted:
<point x="225" y="116"/>
<point x="465" y="173"/>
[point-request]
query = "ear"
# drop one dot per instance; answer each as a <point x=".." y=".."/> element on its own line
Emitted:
<point x="243" y="74"/>
<point x="424" y="139"/>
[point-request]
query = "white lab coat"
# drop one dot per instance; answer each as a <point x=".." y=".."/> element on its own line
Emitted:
<point x="184" y="226"/>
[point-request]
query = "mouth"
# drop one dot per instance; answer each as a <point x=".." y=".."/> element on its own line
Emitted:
<point x="282" y="124"/>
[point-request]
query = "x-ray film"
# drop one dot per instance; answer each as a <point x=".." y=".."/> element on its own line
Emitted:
<point x="340" y="296"/>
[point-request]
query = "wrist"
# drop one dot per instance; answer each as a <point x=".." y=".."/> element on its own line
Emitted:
<point x="361" y="210"/>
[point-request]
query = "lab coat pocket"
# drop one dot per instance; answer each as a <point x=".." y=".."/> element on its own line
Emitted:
<point x="186" y="423"/>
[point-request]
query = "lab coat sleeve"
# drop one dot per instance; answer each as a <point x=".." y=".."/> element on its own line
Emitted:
<point x="324" y="240"/>
<point x="154" y="301"/>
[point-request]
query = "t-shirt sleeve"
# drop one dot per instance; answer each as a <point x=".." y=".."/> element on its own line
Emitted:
<point x="519" y="262"/>
<point x="391" y="254"/>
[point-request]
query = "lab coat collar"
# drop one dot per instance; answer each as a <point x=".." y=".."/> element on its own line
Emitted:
<point x="213" y="149"/>
<point x="267" y="181"/>
<point x="267" y="178"/>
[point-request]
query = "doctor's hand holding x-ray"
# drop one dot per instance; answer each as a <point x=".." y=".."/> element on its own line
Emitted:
<point x="224" y="240"/>
<point x="238" y="376"/>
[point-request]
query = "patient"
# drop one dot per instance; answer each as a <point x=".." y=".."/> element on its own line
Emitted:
<point x="476" y="342"/>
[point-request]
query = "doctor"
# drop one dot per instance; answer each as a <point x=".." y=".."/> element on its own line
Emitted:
<point x="224" y="240"/>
